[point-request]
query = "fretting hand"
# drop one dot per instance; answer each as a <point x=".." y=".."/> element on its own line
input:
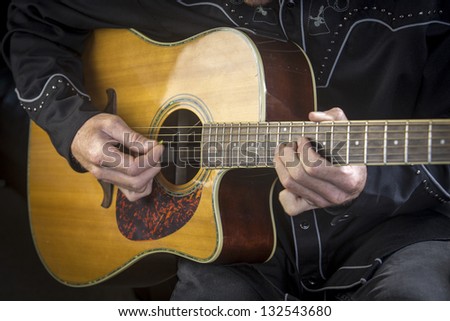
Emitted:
<point x="313" y="182"/>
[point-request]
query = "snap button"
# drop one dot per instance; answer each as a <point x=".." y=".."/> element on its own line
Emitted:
<point x="340" y="219"/>
<point x="304" y="225"/>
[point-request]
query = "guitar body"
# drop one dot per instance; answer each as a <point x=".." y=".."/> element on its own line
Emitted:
<point x="206" y="215"/>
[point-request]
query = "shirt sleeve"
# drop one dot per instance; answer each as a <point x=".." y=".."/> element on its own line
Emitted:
<point x="44" y="46"/>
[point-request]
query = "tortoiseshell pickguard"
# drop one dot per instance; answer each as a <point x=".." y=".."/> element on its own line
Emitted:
<point x="155" y="216"/>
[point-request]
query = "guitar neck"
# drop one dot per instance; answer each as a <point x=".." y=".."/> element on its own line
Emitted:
<point x="375" y="142"/>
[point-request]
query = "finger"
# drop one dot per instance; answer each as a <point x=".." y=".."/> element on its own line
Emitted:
<point x="337" y="184"/>
<point x="131" y="183"/>
<point x="129" y="164"/>
<point x="293" y="204"/>
<point x="123" y="134"/>
<point x="287" y="154"/>
<point x="297" y="181"/>
<point x="332" y="114"/>
<point x="133" y="196"/>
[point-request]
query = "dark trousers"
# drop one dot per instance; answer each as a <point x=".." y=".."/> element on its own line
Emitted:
<point x="420" y="271"/>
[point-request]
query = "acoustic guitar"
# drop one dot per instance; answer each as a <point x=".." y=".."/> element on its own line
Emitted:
<point x="220" y="102"/>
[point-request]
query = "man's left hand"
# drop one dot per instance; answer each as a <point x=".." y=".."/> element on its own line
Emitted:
<point x="318" y="186"/>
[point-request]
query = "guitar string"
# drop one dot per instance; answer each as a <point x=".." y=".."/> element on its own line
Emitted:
<point x="423" y="123"/>
<point x="188" y="157"/>
<point x="245" y="131"/>
<point x="438" y="142"/>
<point x="396" y="141"/>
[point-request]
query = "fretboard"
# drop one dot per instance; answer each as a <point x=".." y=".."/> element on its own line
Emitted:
<point x="375" y="142"/>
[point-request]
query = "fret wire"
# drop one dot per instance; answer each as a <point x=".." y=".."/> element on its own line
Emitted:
<point x="303" y="129"/>
<point x="430" y="140"/>
<point x="210" y="131"/>
<point x="267" y="143"/>
<point x="332" y="141"/>
<point x="365" y="143"/>
<point x="248" y="139"/>
<point x="406" y="142"/>
<point x="239" y="140"/>
<point x="385" y="143"/>
<point x="317" y="137"/>
<point x="256" y="146"/>
<point x="224" y="150"/>
<point x="231" y="144"/>
<point x="290" y="132"/>
<point x="278" y="132"/>
<point x="348" y="143"/>
<point x="217" y="136"/>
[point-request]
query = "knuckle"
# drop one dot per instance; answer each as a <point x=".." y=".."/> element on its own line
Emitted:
<point x="338" y="113"/>
<point x="312" y="170"/>
<point x="136" y="186"/>
<point x="95" y="157"/>
<point x="338" y="199"/>
<point x="319" y="203"/>
<point x="296" y="173"/>
<point x="289" y="210"/>
<point x="132" y="197"/>
<point x="113" y="120"/>
<point x="135" y="196"/>
<point x="289" y="183"/>
<point x="132" y="170"/>
<point x="98" y="173"/>
<point x="353" y="182"/>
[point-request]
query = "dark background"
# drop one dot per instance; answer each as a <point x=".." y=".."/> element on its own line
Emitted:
<point x="22" y="276"/>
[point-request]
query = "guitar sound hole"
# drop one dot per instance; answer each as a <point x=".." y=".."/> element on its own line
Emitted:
<point x="181" y="136"/>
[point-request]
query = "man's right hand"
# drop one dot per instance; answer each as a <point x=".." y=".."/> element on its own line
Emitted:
<point x="96" y="147"/>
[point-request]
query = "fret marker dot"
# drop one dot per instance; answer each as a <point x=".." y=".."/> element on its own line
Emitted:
<point x="395" y="142"/>
<point x="285" y="129"/>
<point x="324" y="143"/>
<point x="442" y="141"/>
<point x="357" y="143"/>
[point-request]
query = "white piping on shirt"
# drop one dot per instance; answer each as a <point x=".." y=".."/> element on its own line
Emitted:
<point x="382" y="23"/>
<point x="435" y="182"/>
<point x="45" y="86"/>
<point x="295" y="244"/>
<point x="207" y="3"/>
<point x="320" y="244"/>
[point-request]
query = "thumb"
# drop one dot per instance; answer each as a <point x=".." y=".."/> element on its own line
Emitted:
<point x="293" y="204"/>
<point x="332" y="114"/>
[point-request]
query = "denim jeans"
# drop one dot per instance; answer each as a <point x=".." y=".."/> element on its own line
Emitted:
<point x="420" y="271"/>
